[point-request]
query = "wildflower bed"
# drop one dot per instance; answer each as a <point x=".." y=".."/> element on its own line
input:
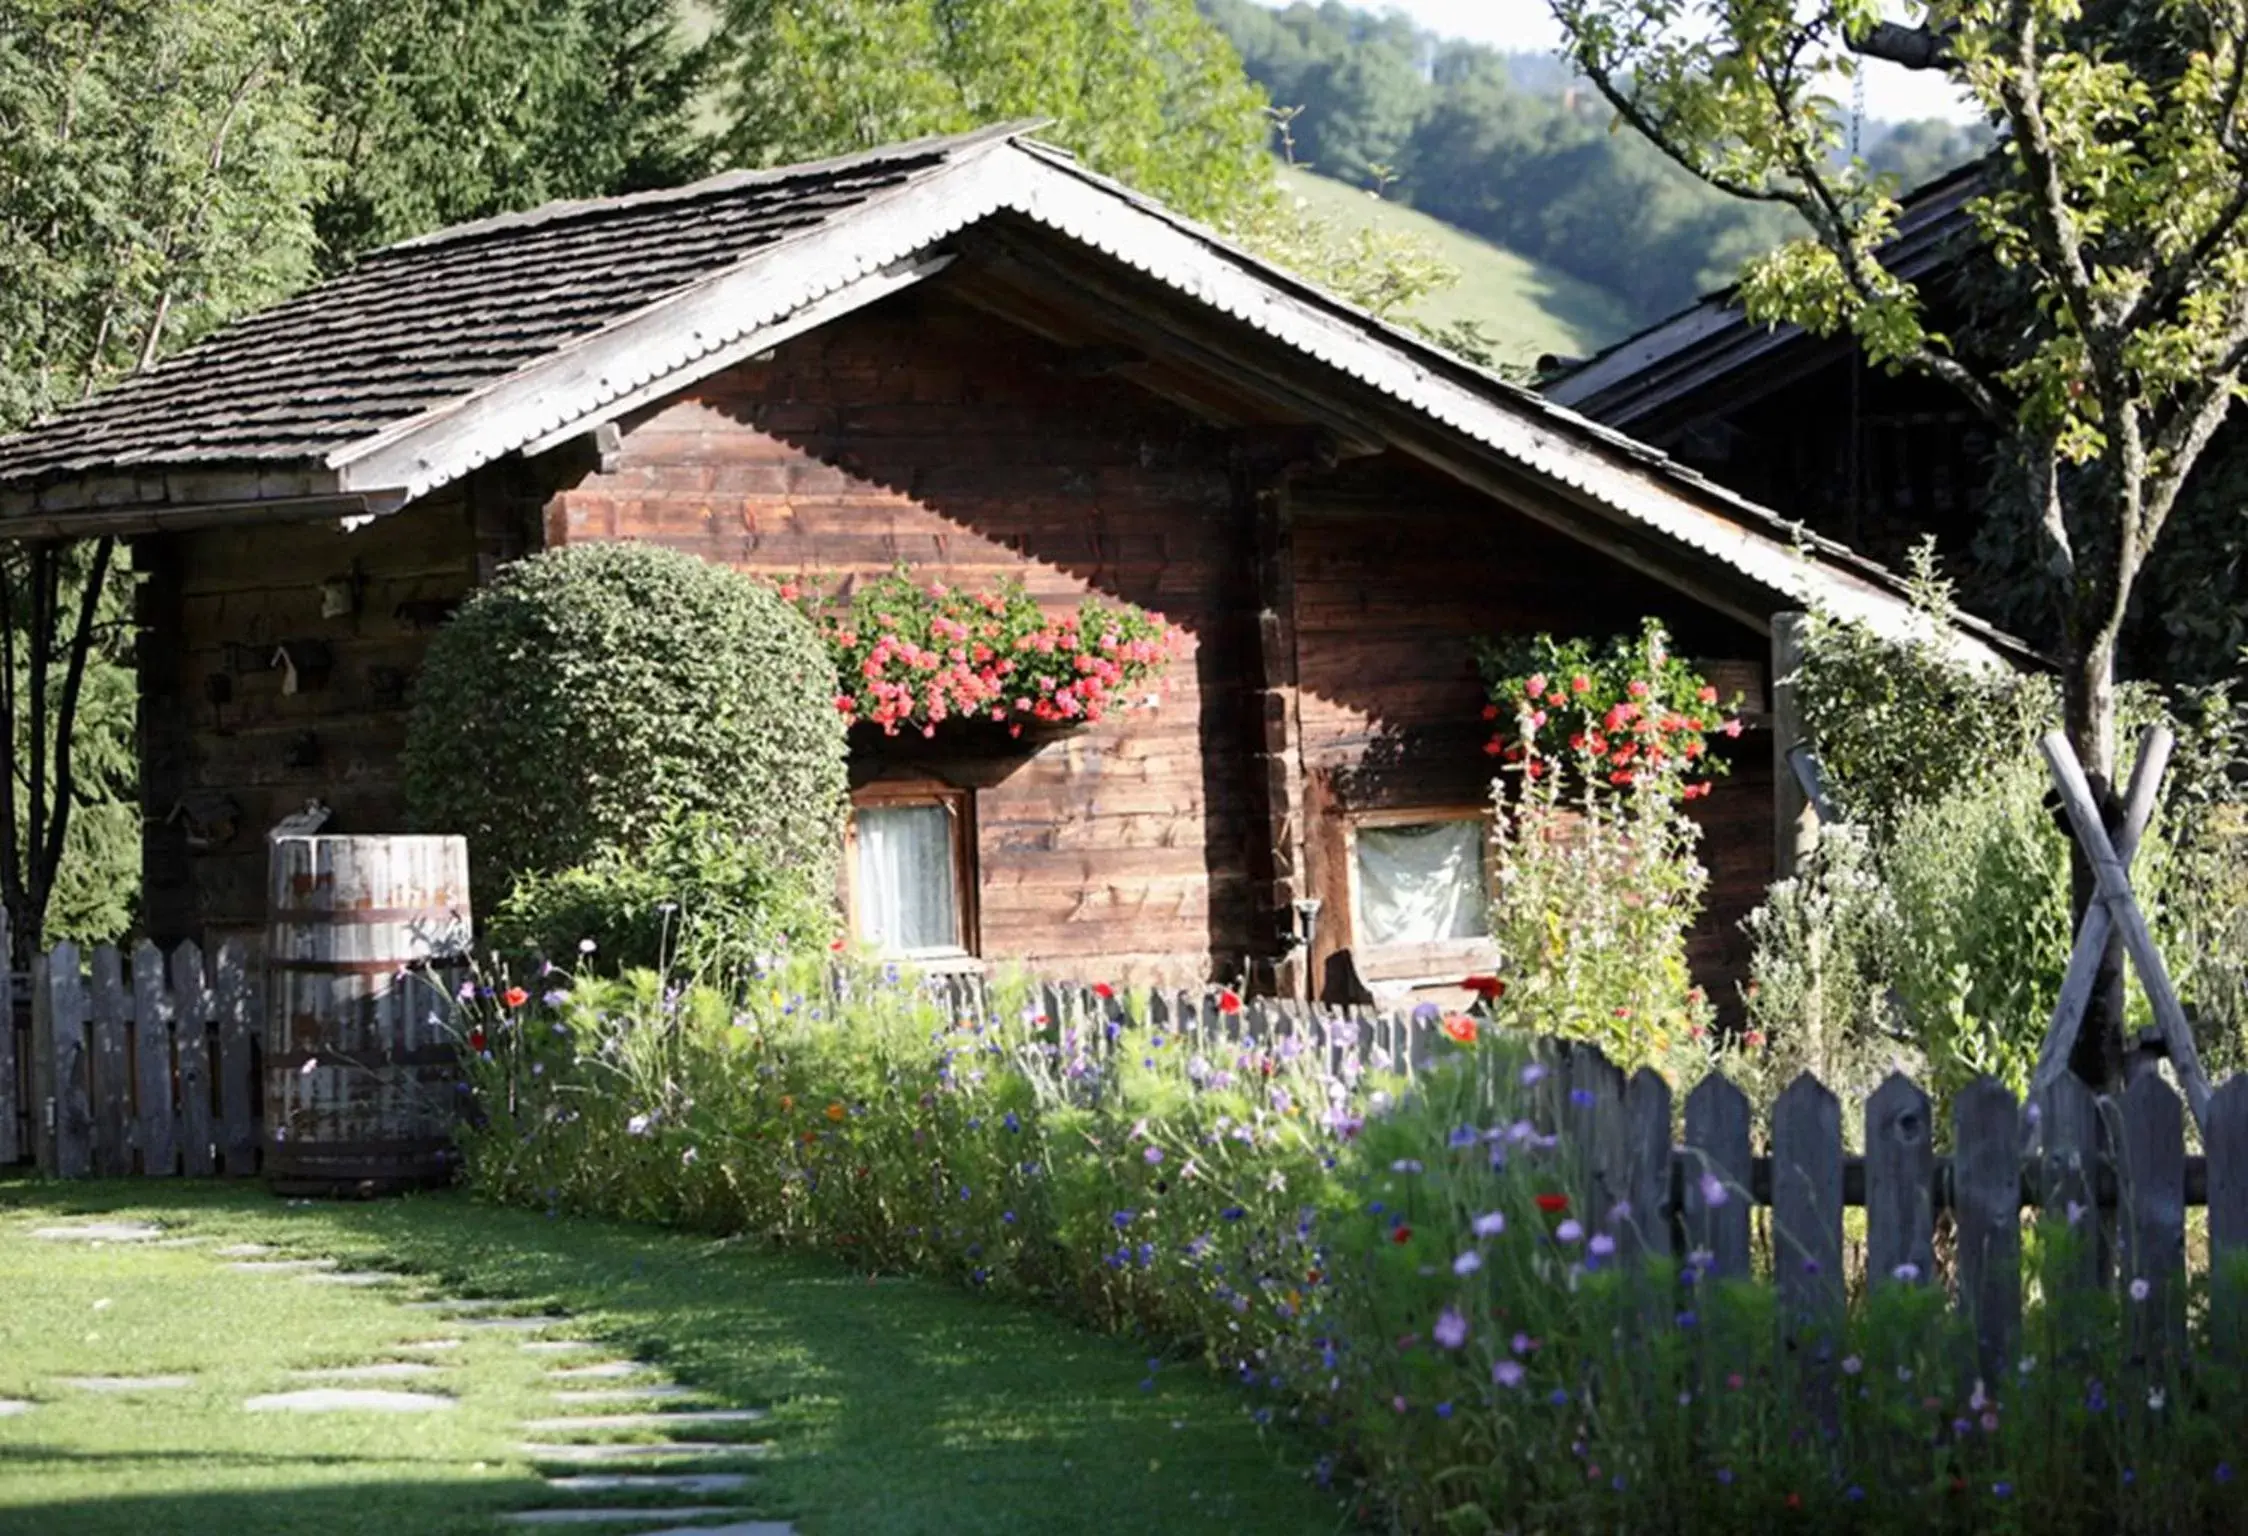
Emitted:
<point x="1412" y="1271"/>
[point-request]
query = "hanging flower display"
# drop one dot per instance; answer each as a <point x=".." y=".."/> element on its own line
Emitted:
<point x="912" y="655"/>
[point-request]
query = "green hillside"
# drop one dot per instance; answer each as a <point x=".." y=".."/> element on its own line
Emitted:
<point x="1527" y="307"/>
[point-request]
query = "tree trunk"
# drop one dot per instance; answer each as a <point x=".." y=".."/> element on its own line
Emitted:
<point x="2088" y="714"/>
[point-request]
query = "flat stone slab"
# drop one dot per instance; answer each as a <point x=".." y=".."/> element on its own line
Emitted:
<point x="625" y="1394"/>
<point x="593" y="1516"/>
<point x="388" y="1370"/>
<point x="695" y="1416"/>
<point x="558" y="1346"/>
<point x="606" y="1370"/>
<point x="241" y="1250"/>
<point x="347" y="1400"/>
<point x="419" y="1345"/>
<point x="737" y="1528"/>
<point x="126" y="1383"/>
<point x="179" y="1242"/>
<point x="650" y="1482"/>
<point x="530" y="1324"/>
<point x="99" y="1232"/>
<point x="280" y="1266"/>
<point x="10" y="1407"/>
<point x="669" y="1450"/>
<point x="350" y="1277"/>
<point x="459" y="1304"/>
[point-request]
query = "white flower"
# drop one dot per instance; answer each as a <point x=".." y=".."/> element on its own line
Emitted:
<point x="638" y="1125"/>
<point x="2140" y="1290"/>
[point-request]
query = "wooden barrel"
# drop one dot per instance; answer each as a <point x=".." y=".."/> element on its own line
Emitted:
<point x="365" y="944"/>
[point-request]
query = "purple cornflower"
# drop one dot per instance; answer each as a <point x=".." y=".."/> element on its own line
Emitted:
<point x="1153" y="1155"/>
<point x="1450" y="1331"/>
<point x="1491" y="1224"/>
<point x="1467" y="1263"/>
<point x="1507" y="1373"/>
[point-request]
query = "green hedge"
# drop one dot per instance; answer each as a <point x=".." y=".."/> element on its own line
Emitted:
<point x="592" y="691"/>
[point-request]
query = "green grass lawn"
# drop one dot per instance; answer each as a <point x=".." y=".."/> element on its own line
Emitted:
<point x="1528" y="307"/>
<point x="897" y="1405"/>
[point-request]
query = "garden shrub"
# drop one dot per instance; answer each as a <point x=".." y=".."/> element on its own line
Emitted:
<point x="695" y="900"/>
<point x="568" y="704"/>
<point x="1419" y="1273"/>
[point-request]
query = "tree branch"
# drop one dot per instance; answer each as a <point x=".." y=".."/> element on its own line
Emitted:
<point x="1911" y="47"/>
<point x="66" y="715"/>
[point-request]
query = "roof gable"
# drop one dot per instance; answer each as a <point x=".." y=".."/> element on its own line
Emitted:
<point x="442" y="354"/>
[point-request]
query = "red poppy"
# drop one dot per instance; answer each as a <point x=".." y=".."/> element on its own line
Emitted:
<point x="1401" y="1234"/>
<point x="1553" y="1205"/>
<point x="1489" y="988"/>
<point x="1459" y="1028"/>
<point x="476" y="1039"/>
<point x="1229" y="1001"/>
<point x="1103" y="991"/>
<point x="515" y="997"/>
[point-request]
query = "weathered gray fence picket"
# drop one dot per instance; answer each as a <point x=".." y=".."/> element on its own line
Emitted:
<point x="2112" y="1171"/>
<point x="147" y="1066"/>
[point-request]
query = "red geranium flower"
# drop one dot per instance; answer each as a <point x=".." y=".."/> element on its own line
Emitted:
<point x="1229" y="1001"/>
<point x="515" y="997"/>
<point x="1103" y="991"/>
<point x="1459" y="1028"/>
<point x="1553" y="1205"/>
<point x="1489" y="988"/>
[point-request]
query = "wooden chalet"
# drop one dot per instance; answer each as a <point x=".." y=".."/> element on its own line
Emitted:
<point x="973" y="356"/>
<point x="1800" y="422"/>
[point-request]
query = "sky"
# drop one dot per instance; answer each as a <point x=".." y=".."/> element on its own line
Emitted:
<point x="1527" y="26"/>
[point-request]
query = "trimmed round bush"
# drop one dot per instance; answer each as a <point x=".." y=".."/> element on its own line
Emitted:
<point x="591" y="692"/>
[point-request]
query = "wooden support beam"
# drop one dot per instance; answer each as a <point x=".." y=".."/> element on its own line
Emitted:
<point x="1279" y="744"/>
<point x="1795" y="821"/>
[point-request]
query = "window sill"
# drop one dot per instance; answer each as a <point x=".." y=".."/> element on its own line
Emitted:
<point x="1443" y="962"/>
<point x="938" y="962"/>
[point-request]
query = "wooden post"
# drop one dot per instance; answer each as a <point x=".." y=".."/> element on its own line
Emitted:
<point x="152" y="1042"/>
<point x="1717" y="1149"/>
<point x="191" y="1004"/>
<point x="1280" y="734"/>
<point x="1986" y="1203"/>
<point x="2154" y="1221"/>
<point x="1795" y="826"/>
<point x="2071" y="1134"/>
<point x="241" y="1012"/>
<point x="111" y="1075"/>
<point x="59" y="995"/>
<point x="11" y="1103"/>
<point x="2227" y="1141"/>
<point x="1900" y="1184"/>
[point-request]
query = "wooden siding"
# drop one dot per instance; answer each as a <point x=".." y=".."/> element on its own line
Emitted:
<point x="218" y="604"/>
<point x="926" y="433"/>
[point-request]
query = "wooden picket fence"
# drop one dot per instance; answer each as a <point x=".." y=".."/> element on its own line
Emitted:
<point x="2115" y="1169"/>
<point x="140" y="1065"/>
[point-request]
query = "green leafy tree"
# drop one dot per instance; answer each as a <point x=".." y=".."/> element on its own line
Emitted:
<point x="157" y="163"/>
<point x="1143" y="90"/>
<point x="441" y="112"/>
<point x="2118" y="200"/>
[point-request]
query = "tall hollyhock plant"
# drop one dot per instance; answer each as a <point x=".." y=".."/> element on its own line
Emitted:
<point x="1597" y="880"/>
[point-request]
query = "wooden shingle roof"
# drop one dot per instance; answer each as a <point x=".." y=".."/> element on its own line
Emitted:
<point x="415" y="326"/>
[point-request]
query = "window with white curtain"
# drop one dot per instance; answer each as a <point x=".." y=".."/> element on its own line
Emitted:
<point x="906" y="885"/>
<point x="1421" y="882"/>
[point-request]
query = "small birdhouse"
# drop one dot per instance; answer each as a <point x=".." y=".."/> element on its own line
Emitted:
<point x="210" y="819"/>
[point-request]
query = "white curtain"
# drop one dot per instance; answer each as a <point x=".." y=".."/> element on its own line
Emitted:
<point x="1420" y="883"/>
<point x="907" y="902"/>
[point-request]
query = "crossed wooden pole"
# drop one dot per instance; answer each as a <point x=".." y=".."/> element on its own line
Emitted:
<point x="2114" y="912"/>
<point x="2113" y="915"/>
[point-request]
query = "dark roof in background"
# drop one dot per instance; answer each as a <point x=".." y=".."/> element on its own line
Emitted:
<point x="416" y="325"/>
<point x="1632" y="383"/>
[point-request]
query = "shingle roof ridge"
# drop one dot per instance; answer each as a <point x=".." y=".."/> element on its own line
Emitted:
<point x="943" y="146"/>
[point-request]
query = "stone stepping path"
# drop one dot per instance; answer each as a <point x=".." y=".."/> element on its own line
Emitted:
<point x="126" y="1383"/>
<point x="241" y="1250"/>
<point x="737" y="1528"/>
<point x="650" y="1482"/>
<point x="347" y="1400"/>
<point x="591" y="1515"/>
<point x="557" y="1346"/>
<point x="421" y="1344"/>
<point x="625" y="1394"/>
<point x="606" y="1370"/>
<point x="388" y="1370"/>
<point x="99" y="1232"/>
<point x="587" y="1453"/>
<point x="280" y="1266"/>
<point x="10" y="1407"/>
<point x="459" y="1305"/>
<point x="350" y="1277"/>
<point x="690" y="1416"/>
<point x="531" y="1324"/>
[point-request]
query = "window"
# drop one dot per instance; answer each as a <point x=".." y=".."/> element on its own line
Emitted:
<point x="1420" y="881"/>
<point x="909" y="869"/>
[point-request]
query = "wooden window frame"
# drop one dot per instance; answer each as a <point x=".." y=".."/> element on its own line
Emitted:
<point x="1440" y="959"/>
<point x="960" y="805"/>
